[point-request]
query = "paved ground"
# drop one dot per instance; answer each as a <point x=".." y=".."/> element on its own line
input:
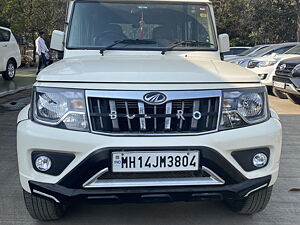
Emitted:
<point x="24" y="78"/>
<point x="283" y="209"/>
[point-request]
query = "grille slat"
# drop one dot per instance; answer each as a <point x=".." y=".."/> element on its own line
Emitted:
<point x="127" y="116"/>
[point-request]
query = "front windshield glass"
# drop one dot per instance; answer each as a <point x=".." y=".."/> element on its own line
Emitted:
<point x="95" y="25"/>
<point x="250" y="50"/>
<point x="262" y="51"/>
<point x="295" y="50"/>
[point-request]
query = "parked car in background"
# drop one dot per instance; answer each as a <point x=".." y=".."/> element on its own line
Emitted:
<point x="10" y="57"/>
<point x="276" y="48"/>
<point x="250" y="51"/>
<point x="235" y="51"/>
<point x="265" y="67"/>
<point x="287" y="78"/>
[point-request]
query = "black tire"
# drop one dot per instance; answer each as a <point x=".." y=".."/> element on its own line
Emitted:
<point x="10" y="72"/>
<point x="294" y="98"/>
<point x="279" y="94"/>
<point x="252" y="204"/>
<point x="42" y="208"/>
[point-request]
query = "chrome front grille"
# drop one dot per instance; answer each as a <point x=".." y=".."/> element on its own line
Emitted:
<point x="114" y="112"/>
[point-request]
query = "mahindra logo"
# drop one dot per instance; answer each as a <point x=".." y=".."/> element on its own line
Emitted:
<point x="155" y="98"/>
<point x="282" y="67"/>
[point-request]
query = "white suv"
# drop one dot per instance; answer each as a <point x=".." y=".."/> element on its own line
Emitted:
<point x="10" y="57"/>
<point x="142" y="109"/>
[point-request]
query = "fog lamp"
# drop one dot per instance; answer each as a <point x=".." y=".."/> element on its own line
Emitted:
<point x="260" y="160"/>
<point x="43" y="163"/>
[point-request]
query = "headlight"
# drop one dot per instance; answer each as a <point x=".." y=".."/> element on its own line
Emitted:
<point x="265" y="63"/>
<point x="244" y="107"/>
<point x="58" y="107"/>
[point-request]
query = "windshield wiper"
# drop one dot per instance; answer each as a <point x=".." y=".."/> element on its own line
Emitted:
<point x="126" y="41"/>
<point x="185" y="42"/>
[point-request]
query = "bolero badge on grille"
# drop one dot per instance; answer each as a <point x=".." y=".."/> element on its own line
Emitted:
<point x="155" y="98"/>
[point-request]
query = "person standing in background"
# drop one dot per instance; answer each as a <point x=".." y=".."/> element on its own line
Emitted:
<point x="41" y="50"/>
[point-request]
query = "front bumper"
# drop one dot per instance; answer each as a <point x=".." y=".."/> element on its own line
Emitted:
<point x="266" y="72"/>
<point x="292" y="84"/>
<point x="64" y="195"/>
<point x="216" y="148"/>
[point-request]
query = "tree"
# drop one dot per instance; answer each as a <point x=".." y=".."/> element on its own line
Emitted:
<point x="298" y="19"/>
<point x="250" y="22"/>
<point x="27" y="17"/>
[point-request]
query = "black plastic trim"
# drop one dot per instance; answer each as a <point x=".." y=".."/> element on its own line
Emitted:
<point x="244" y="158"/>
<point x="59" y="161"/>
<point x="101" y="159"/>
<point x="69" y="196"/>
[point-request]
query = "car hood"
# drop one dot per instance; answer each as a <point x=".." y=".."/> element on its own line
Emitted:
<point x="277" y="57"/>
<point x="145" y="69"/>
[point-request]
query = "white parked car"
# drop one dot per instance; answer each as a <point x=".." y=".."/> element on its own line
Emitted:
<point x="234" y="52"/>
<point x="10" y="57"/>
<point x="141" y="108"/>
<point x="265" y="67"/>
<point x="272" y="49"/>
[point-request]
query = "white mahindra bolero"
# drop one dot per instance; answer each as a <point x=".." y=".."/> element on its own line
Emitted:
<point x="141" y="109"/>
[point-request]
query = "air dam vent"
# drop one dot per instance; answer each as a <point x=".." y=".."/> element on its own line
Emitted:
<point x="127" y="113"/>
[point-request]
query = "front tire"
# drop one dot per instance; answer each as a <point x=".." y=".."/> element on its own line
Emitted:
<point x="294" y="98"/>
<point x="43" y="209"/>
<point x="254" y="203"/>
<point x="10" y="72"/>
<point x="279" y="94"/>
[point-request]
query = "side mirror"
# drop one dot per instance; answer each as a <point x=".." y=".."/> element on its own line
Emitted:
<point x="224" y="43"/>
<point x="57" y="40"/>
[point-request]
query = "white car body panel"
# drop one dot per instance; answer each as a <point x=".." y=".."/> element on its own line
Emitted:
<point x="9" y="50"/>
<point x="270" y="70"/>
<point x="168" y="69"/>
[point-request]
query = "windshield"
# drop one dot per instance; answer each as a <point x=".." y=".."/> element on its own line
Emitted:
<point x="295" y="50"/>
<point x="250" y="50"/>
<point x="262" y="51"/>
<point x="95" y="25"/>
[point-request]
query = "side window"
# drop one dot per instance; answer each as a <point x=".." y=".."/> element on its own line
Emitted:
<point x="282" y="50"/>
<point x="4" y="35"/>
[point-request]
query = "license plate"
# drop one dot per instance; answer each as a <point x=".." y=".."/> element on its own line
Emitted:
<point x="279" y="84"/>
<point x="155" y="161"/>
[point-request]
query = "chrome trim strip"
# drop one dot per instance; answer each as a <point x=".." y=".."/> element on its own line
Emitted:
<point x="213" y="174"/>
<point x="127" y="112"/>
<point x="112" y="106"/>
<point x="141" y="106"/>
<point x="139" y="95"/>
<point x="46" y="195"/>
<point x="155" y="119"/>
<point x="256" y="189"/>
<point x="208" y="111"/>
<point x="95" y="177"/>
<point x="95" y="182"/>
<point x="168" y="119"/>
<point x="181" y="119"/>
<point x="99" y="110"/>
<point x="196" y="107"/>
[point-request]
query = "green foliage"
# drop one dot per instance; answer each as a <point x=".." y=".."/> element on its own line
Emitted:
<point x="250" y="22"/>
<point x="27" y="17"/>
